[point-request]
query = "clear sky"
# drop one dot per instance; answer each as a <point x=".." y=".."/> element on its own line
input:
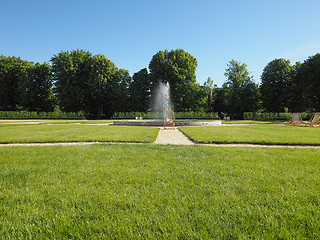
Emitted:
<point x="130" y="32"/>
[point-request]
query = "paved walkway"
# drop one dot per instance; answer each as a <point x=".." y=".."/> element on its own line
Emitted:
<point x="172" y="136"/>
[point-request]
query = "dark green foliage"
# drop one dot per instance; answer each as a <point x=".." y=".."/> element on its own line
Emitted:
<point x="266" y="116"/>
<point x="131" y="115"/>
<point x="307" y="80"/>
<point x="218" y="101"/>
<point x="102" y="87"/>
<point x="295" y="100"/>
<point x="295" y="87"/>
<point x="274" y="84"/>
<point x="206" y="93"/>
<point x="92" y="84"/>
<point x="13" y="71"/>
<point x="120" y="92"/>
<point x="71" y="72"/>
<point x="178" y="115"/>
<point x="25" y="85"/>
<point x="196" y="115"/>
<point x="79" y="81"/>
<point x="140" y="90"/>
<point x="40" y="115"/>
<point x="36" y="91"/>
<point x="240" y="92"/>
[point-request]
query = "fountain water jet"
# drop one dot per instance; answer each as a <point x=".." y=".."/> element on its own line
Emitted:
<point x="163" y="104"/>
<point x="162" y="99"/>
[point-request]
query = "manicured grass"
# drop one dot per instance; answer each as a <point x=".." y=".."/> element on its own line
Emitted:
<point x="159" y="192"/>
<point x="75" y="133"/>
<point x="256" y="134"/>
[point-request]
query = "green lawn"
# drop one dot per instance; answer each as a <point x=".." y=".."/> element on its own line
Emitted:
<point x="20" y="133"/>
<point x="256" y="134"/>
<point x="158" y="192"/>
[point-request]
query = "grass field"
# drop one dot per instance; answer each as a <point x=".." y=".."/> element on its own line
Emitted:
<point x="120" y="191"/>
<point x="256" y="134"/>
<point x="66" y="132"/>
<point x="158" y="192"/>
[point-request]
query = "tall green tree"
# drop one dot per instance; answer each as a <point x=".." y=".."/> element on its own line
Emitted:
<point x="296" y="99"/>
<point x="140" y="90"/>
<point x="275" y="78"/>
<point x="71" y="74"/>
<point x="121" y="98"/>
<point x="13" y="73"/>
<point x="25" y="85"/>
<point x="178" y="68"/>
<point x="206" y="91"/>
<point x="308" y="80"/>
<point x="101" y="87"/>
<point x="36" y="90"/>
<point x="219" y="101"/>
<point x="92" y="84"/>
<point x="240" y="91"/>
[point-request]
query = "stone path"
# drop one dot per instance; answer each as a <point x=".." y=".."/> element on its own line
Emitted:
<point x="172" y="136"/>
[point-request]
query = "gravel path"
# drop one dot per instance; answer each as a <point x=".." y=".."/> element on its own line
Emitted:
<point x="172" y="136"/>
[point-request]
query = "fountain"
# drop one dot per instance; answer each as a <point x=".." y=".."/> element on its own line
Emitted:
<point x="162" y="100"/>
<point x="162" y="103"/>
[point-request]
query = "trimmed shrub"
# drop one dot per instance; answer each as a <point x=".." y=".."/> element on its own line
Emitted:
<point x="158" y="115"/>
<point x="196" y="115"/>
<point x="272" y="116"/>
<point x="40" y="115"/>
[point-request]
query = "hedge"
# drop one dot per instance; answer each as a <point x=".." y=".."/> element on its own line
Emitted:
<point x="40" y="115"/>
<point x="273" y="116"/>
<point x="157" y="115"/>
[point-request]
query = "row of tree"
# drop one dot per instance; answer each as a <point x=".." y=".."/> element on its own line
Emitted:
<point x="76" y="81"/>
<point x="284" y="87"/>
<point x="93" y="84"/>
<point x="25" y="85"/>
<point x="79" y="81"/>
<point x="238" y="94"/>
<point x="295" y="87"/>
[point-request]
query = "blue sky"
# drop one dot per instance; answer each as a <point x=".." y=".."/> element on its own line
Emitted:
<point x="130" y="32"/>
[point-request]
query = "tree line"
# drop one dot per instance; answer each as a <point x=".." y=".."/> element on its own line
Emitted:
<point x="284" y="88"/>
<point x="80" y="81"/>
